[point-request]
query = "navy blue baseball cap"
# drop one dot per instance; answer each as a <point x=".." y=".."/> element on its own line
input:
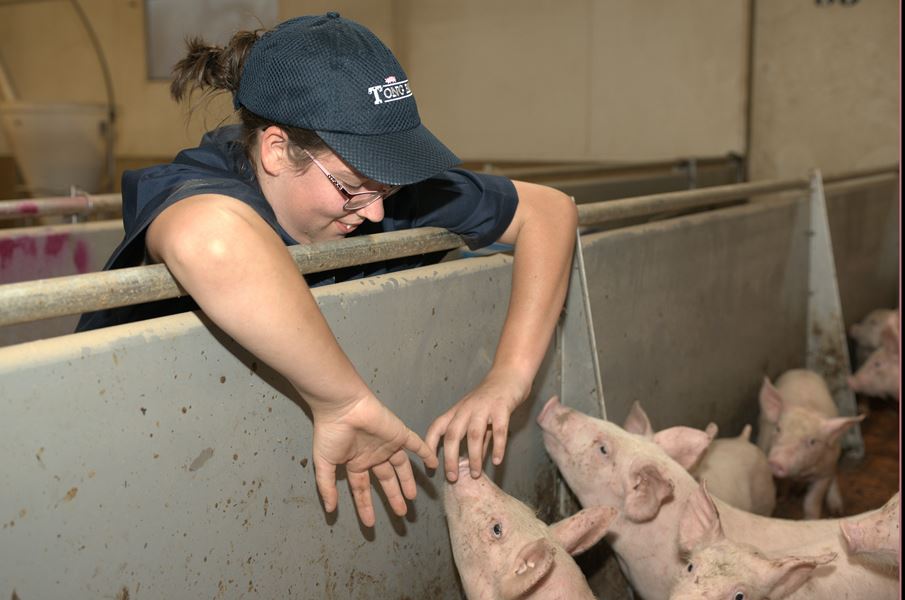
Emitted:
<point x="334" y="76"/>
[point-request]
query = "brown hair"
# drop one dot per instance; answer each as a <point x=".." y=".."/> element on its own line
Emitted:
<point x="217" y="69"/>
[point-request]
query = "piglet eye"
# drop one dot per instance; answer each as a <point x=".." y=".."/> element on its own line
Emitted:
<point x="690" y="567"/>
<point x="812" y="441"/>
<point x="739" y="596"/>
<point x="777" y="429"/>
<point x="497" y="530"/>
<point x="603" y="449"/>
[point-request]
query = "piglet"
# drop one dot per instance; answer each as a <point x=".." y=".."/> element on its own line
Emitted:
<point x="504" y="552"/>
<point x="719" y="567"/>
<point x="867" y="333"/>
<point x="875" y="535"/>
<point x="736" y="470"/>
<point x="800" y="431"/>
<point x="878" y="376"/>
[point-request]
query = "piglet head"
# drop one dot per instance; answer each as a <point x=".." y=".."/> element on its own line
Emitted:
<point x="495" y="539"/>
<point x="879" y="375"/>
<point x="603" y="464"/>
<point x="503" y="551"/>
<point x="720" y="568"/>
<point x="875" y="533"/>
<point x="804" y="441"/>
<point x="867" y="333"/>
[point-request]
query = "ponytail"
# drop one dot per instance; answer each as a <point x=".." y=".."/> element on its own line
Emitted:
<point x="212" y="68"/>
<point x="218" y="69"/>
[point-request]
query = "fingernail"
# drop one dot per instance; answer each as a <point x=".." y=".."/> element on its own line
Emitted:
<point x="475" y="474"/>
<point x="451" y="475"/>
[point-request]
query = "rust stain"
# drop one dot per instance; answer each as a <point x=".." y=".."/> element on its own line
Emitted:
<point x="70" y="494"/>
<point x="202" y="458"/>
<point x="91" y="473"/>
<point x="123" y="594"/>
<point x="222" y="379"/>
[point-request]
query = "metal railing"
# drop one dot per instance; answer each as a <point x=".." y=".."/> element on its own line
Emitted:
<point x="79" y="205"/>
<point x="60" y="296"/>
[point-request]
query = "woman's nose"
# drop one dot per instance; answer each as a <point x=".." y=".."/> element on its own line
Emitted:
<point x="372" y="212"/>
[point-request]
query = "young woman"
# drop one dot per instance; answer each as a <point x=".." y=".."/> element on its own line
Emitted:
<point x="331" y="145"/>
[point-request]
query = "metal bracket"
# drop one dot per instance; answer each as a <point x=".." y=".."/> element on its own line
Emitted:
<point x="580" y="382"/>
<point x="827" y="349"/>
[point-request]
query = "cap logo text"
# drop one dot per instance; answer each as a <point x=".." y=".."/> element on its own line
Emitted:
<point x="390" y="91"/>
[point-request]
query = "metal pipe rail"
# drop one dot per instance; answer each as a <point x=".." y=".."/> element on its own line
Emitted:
<point x="60" y="296"/>
<point x="592" y="169"/>
<point x="81" y="204"/>
<point x="85" y="204"/>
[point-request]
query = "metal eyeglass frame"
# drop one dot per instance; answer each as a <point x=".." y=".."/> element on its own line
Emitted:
<point x="353" y="202"/>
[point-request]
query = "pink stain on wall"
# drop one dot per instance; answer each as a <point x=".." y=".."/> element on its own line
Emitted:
<point x="54" y="243"/>
<point x="28" y="208"/>
<point x="80" y="257"/>
<point x="10" y="246"/>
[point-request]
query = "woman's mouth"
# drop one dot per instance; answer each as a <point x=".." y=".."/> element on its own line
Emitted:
<point x="346" y="229"/>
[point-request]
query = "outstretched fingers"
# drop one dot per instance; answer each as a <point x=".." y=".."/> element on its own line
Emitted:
<point x="325" y="477"/>
<point x="426" y="452"/>
<point x="360" y="484"/>
<point x="500" y="430"/>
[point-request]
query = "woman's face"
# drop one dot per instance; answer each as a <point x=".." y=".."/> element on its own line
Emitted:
<point x="310" y="208"/>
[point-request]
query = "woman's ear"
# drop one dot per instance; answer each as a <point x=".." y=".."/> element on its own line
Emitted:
<point x="273" y="145"/>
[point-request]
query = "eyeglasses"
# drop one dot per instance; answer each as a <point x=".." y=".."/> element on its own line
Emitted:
<point x="357" y="200"/>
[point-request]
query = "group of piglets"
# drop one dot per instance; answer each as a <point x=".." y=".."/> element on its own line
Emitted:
<point x="686" y="514"/>
<point x="675" y="539"/>
<point x="876" y="340"/>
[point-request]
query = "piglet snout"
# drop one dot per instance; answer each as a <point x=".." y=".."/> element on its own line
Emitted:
<point x="778" y="469"/>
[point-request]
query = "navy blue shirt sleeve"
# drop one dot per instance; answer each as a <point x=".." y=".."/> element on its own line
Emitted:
<point x="477" y="206"/>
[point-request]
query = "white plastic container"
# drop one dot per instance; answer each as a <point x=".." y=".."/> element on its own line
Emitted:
<point x="57" y="145"/>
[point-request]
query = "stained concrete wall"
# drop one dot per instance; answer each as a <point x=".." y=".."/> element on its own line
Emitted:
<point x="29" y="253"/>
<point x="865" y="228"/>
<point x="690" y="313"/>
<point x="161" y="459"/>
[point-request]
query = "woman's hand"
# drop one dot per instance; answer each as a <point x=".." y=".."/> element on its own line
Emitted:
<point x="367" y="436"/>
<point x="482" y="414"/>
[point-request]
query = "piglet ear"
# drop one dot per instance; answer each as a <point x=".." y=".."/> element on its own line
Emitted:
<point x="746" y="433"/>
<point x="532" y="564"/>
<point x="770" y="401"/>
<point x="699" y="525"/>
<point x="785" y="575"/>
<point x="711" y="430"/>
<point x="637" y="421"/>
<point x="685" y="445"/>
<point x="583" y="529"/>
<point x="645" y="490"/>
<point x="889" y="338"/>
<point x="832" y="429"/>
